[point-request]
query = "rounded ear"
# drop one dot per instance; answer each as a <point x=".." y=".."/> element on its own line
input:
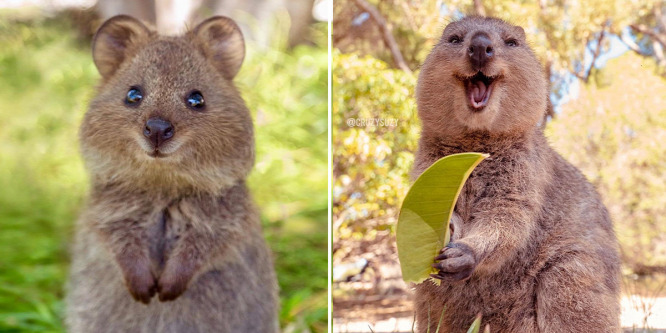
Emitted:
<point x="521" y="32"/>
<point x="221" y="42"/>
<point x="114" y="39"/>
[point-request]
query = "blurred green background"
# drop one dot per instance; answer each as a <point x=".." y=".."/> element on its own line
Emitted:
<point x="607" y="68"/>
<point x="47" y="78"/>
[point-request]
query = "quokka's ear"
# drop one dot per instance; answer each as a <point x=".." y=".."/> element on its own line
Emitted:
<point x="114" y="39"/>
<point x="221" y="42"/>
<point x="521" y="32"/>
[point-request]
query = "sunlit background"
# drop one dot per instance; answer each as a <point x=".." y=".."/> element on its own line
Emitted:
<point x="607" y="70"/>
<point x="47" y="78"/>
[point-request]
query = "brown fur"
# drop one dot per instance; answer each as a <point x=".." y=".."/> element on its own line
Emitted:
<point x="534" y="248"/>
<point x="181" y="226"/>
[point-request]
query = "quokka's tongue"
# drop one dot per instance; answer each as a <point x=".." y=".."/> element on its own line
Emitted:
<point x="478" y="91"/>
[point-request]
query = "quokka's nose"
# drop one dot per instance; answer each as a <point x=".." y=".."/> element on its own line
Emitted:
<point x="480" y="50"/>
<point x="158" y="131"/>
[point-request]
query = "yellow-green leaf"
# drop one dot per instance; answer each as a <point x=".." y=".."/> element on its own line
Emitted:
<point x="476" y="325"/>
<point x="423" y="225"/>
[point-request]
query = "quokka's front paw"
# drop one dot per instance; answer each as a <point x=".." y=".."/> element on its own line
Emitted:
<point x="455" y="262"/>
<point x="138" y="278"/>
<point x="174" y="279"/>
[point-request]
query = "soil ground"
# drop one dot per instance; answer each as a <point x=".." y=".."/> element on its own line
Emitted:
<point x="375" y="299"/>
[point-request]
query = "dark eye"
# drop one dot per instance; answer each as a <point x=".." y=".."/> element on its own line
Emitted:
<point x="455" y="40"/>
<point x="134" y="96"/>
<point x="195" y="100"/>
<point x="511" y="42"/>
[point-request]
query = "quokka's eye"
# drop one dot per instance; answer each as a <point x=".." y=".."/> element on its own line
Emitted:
<point x="195" y="100"/>
<point x="511" y="42"/>
<point x="134" y="96"/>
<point x="455" y="40"/>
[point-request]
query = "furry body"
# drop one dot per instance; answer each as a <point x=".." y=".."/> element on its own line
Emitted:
<point x="533" y="249"/>
<point x="170" y="240"/>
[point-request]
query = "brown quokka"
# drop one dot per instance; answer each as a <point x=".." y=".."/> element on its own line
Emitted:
<point x="168" y="142"/>
<point x="533" y="247"/>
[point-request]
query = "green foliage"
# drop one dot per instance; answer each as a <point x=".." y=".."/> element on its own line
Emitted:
<point x="413" y="25"/>
<point x="423" y="225"/>
<point x="44" y="88"/>
<point x="287" y="92"/>
<point x="46" y="81"/>
<point x="371" y="163"/>
<point x="561" y="32"/>
<point x="562" y="44"/>
<point x="612" y="131"/>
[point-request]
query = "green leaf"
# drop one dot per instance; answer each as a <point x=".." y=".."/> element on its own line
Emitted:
<point x="423" y="225"/>
<point x="476" y="325"/>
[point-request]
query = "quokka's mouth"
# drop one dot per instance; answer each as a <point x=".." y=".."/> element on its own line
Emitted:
<point x="157" y="154"/>
<point x="478" y="89"/>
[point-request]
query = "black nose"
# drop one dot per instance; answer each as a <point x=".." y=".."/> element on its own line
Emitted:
<point x="480" y="51"/>
<point x="158" y="131"/>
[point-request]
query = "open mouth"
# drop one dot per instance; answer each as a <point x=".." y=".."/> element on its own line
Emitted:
<point x="479" y="88"/>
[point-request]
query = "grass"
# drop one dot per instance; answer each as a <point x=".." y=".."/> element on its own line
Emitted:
<point x="46" y="80"/>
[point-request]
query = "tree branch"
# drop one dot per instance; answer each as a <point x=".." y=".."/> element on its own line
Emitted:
<point x="659" y="16"/>
<point x="584" y="75"/>
<point x="632" y="45"/>
<point x="659" y="53"/>
<point x="596" y="53"/>
<point x="580" y="73"/>
<point x="580" y="76"/>
<point x="647" y="31"/>
<point x="387" y="36"/>
<point x="657" y="36"/>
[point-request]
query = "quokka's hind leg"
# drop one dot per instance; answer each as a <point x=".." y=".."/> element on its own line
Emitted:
<point x="578" y="294"/>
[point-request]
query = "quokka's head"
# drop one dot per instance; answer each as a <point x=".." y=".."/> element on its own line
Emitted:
<point x="167" y="115"/>
<point x="482" y="75"/>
